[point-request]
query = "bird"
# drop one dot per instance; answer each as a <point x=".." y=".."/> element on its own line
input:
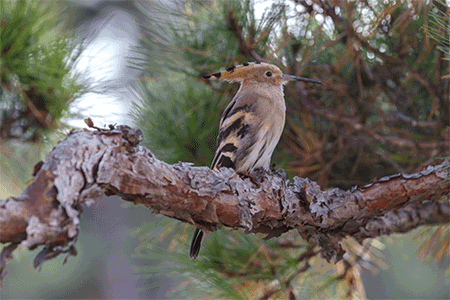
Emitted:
<point x="252" y="123"/>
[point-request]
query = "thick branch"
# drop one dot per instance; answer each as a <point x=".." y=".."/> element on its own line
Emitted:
<point x="87" y="165"/>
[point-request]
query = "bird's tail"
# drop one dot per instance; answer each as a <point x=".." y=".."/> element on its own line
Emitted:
<point x="196" y="243"/>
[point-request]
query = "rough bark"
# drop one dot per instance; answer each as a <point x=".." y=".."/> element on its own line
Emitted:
<point x="90" y="164"/>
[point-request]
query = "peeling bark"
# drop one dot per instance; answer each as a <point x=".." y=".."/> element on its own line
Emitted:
<point x="90" y="164"/>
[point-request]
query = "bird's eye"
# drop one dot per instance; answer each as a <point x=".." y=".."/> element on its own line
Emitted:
<point x="268" y="73"/>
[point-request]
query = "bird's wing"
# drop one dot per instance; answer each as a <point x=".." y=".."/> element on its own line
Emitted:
<point x="238" y="126"/>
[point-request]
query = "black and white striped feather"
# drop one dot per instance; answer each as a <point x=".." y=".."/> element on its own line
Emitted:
<point x="247" y="137"/>
<point x="248" y="134"/>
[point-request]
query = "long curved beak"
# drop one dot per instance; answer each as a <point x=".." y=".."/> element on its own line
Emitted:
<point x="295" y="78"/>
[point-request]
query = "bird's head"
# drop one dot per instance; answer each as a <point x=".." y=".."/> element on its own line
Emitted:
<point x="257" y="72"/>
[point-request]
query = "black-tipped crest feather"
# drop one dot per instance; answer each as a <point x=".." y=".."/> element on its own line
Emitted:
<point x="230" y="69"/>
<point x="254" y="71"/>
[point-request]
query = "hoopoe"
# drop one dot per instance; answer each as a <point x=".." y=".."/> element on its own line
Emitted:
<point x="251" y="125"/>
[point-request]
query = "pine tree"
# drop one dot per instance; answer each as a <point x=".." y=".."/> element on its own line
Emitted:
<point x="384" y="110"/>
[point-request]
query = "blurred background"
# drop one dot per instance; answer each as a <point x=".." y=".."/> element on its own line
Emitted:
<point x="384" y="110"/>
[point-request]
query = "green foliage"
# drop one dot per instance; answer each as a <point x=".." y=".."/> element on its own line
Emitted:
<point x="380" y="113"/>
<point x="37" y="85"/>
<point x="38" y="82"/>
<point x="439" y="30"/>
<point x="440" y="27"/>
<point x="230" y="265"/>
<point x="185" y="130"/>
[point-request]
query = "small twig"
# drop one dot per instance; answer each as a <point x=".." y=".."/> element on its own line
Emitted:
<point x="329" y="11"/>
<point x="394" y="140"/>
<point x="398" y="116"/>
<point x="387" y="158"/>
<point x="237" y="31"/>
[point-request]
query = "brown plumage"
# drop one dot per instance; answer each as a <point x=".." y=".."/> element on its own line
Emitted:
<point x="252" y="123"/>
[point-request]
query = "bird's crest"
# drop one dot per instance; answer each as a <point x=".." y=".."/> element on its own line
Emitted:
<point x="257" y="71"/>
<point x="244" y="71"/>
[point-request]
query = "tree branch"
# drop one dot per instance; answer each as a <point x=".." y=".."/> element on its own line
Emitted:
<point x="90" y="164"/>
<point x="370" y="132"/>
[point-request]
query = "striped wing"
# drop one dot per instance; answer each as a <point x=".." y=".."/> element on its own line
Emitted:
<point x="237" y="133"/>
